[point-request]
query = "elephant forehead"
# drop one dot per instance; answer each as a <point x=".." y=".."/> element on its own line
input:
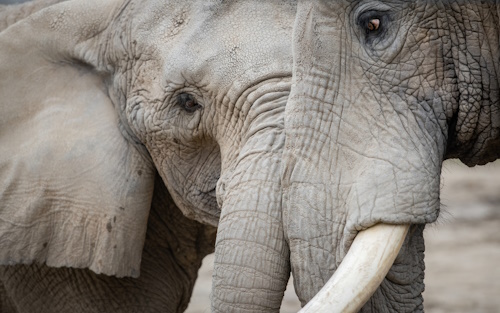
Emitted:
<point x="218" y="44"/>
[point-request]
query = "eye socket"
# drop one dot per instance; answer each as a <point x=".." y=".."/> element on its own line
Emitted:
<point x="188" y="102"/>
<point x="378" y="28"/>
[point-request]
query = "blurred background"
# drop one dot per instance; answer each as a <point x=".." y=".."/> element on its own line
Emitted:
<point x="462" y="248"/>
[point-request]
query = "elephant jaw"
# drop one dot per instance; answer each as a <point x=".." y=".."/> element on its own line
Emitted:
<point x="368" y="261"/>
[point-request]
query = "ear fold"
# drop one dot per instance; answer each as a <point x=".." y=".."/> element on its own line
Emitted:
<point x="73" y="191"/>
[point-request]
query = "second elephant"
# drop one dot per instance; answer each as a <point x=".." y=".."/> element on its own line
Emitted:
<point x="97" y="98"/>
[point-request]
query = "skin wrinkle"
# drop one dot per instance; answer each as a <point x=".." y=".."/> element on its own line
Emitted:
<point x="424" y="102"/>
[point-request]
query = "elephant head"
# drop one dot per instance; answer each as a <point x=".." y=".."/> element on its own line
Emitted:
<point x="383" y="92"/>
<point x="98" y="96"/>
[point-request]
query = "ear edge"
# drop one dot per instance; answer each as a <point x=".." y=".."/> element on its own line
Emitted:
<point x="47" y="249"/>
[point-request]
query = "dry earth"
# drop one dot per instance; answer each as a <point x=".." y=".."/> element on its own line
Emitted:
<point x="462" y="248"/>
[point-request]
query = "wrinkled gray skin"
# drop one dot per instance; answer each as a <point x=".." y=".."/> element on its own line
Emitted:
<point x="381" y="110"/>
<point x="105" y="94"/>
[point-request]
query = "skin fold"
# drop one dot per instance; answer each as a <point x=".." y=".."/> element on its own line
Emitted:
<point x="129" y="130"/>
<point x="383" y="92"/>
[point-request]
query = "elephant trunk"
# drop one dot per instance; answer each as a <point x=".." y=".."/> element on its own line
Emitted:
<point x="251" y="256"/>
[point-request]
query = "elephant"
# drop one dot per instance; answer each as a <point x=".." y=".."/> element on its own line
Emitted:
<point x="132" y="134"/>
<point x="382" y="92"/>
<point x="302" y="136"/>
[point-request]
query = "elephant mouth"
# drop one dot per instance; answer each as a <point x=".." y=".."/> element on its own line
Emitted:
<point x="368" y="261"/>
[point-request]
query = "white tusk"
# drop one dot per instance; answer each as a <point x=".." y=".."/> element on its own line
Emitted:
<point x="369" y="259"/>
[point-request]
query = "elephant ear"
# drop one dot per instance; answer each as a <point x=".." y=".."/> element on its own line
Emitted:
<point x="73" y="191"/>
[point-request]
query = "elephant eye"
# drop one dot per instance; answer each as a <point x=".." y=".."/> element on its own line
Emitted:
<point x="188" y="102"/>
<point x="373" y="25"/>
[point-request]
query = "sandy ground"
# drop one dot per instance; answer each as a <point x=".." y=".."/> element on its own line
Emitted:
<point x="462" y="248"/>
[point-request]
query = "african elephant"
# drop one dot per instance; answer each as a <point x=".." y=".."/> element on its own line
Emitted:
<point x="382" y="92"/>
<point x="116" y="112"/>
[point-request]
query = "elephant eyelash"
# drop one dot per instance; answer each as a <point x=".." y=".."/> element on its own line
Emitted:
<point x="188" y="102"/>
